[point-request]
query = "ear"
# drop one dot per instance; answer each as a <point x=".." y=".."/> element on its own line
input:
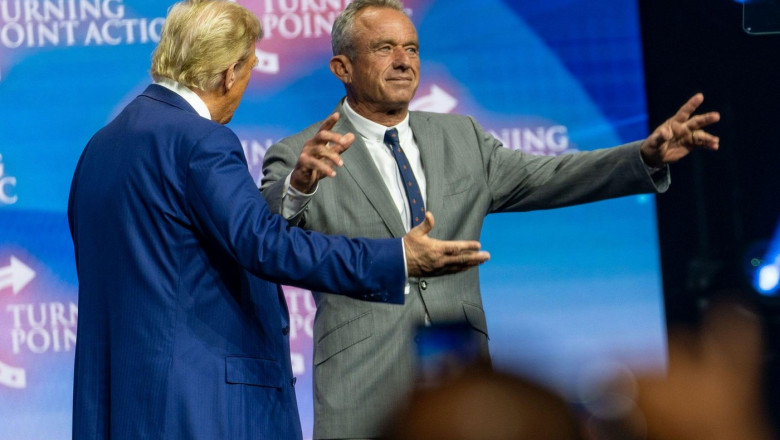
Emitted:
<point x="230" y="77"/>
<point x="341" y="66"/>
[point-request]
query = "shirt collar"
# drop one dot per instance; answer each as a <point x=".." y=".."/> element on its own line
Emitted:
<point x="370" y="130"/>
<point x="191" y="97"/>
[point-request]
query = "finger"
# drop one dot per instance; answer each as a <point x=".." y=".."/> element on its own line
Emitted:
<point x="322" y="153"/>
<point x="459" y="263"/>
<point x="468" y="259"/>
<point x="426" y="226"/>
<point x="336" y="142"/>
<point x="341" y="143"/>
<point x="321" y="165"/>
<point x="462" y="247"/>
<point x="698" y="139"/>
<point x="706" y="140"/>
<point x="475" y="258"/>
<point x="681" y="133"/>
<point x="329" y="122"/>
<point x="703" y="120"/>
<point x="688" y="108"/>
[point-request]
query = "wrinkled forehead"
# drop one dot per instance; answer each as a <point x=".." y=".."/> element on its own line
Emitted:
<point x="380" y="24"/>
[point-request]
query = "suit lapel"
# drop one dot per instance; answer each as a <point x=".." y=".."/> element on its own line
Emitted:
<point x="430" y="141"/>
<point x="360" y="166"/>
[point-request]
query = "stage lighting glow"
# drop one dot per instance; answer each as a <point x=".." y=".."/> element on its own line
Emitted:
<point x="767" y="279"/>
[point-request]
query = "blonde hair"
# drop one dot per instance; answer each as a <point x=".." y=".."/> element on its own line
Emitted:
<point x="201" y="39"/>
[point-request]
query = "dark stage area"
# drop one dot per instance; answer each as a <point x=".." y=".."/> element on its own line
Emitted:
<point x="723" y="207"/>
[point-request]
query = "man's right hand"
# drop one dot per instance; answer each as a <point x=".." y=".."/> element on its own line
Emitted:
<point x="426" y="256"/>
<point x="319" y="156"/>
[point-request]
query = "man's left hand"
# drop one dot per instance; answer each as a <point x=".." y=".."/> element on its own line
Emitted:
<point x="679" y="135"/>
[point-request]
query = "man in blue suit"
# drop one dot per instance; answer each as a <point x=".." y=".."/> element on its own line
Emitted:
<point x="182" y="328"/>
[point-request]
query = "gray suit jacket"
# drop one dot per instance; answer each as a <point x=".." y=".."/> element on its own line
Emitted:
<point x="364" y="353"/>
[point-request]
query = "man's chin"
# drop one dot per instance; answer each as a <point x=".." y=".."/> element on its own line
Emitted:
<point x="402" y="99"/>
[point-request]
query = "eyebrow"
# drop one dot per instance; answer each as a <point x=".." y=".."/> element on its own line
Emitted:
<point x="393" y="43"/>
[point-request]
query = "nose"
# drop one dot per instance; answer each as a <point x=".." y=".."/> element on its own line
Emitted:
<point x="401" y="58"/>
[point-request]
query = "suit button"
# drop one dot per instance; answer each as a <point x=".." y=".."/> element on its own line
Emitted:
<point x="286" y="330"/>
<point x="293" y="380"/>
<point x="423" y="284"/>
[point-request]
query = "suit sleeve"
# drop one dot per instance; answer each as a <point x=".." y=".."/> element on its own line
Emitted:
<point x="230" y="212"/>
<point x="278" y="162"/>
<point x="519" y="181"/>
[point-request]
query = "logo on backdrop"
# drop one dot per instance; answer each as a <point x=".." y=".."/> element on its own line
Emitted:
<point x="32" y="24"/>
<point x="54" y="23"/>
<point x="535" y="137"/>
<point x="291" y="26"/>
<point x="30" y="328"/>
<point x="7" y="186"/>
<point x="543" y="140"/>
<point x="13" y="278"/>
<point x="292" y="21"/>
<point x="302" y="309"/>
<point x="435" y="100"/>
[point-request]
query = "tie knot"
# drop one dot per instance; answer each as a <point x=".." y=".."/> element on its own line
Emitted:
<point x="391" y="137"/>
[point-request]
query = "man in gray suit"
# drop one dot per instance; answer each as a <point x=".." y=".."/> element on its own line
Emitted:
<point x="364" y="352"/>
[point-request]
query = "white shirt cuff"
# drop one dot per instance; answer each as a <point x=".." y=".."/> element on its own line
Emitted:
<point x="407" y="289"/>
<point x="294" y="201"/>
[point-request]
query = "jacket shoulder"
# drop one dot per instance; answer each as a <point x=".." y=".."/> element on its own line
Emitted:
<point x="447" y="120"/>
<point x="441" y="117"/>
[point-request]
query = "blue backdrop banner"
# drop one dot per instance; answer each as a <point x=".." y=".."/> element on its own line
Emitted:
<point x="570" y="294"/>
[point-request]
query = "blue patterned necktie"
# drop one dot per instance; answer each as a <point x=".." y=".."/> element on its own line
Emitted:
<point x="413" y="194"/>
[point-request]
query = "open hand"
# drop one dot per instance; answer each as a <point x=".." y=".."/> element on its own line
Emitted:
<point x="426" y="256"/>
<point x="680" y="134"/>
<point x="319" y="156"/>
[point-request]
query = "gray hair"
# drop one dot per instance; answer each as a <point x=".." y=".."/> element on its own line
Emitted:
<point x="201" y="39"/>
<point x="342" y="37"/>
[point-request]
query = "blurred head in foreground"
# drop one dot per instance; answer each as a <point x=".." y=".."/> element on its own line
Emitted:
<point x="484" y="404"/>
<point x="713" y="387"/>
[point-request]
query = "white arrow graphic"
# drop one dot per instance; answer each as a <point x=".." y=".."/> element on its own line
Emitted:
<point x="437" y="101"/>
<point x="12" y="377"/>
<point x="16" y="275"/>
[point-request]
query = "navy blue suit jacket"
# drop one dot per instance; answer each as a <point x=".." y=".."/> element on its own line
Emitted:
<point x="182" y="326"/>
